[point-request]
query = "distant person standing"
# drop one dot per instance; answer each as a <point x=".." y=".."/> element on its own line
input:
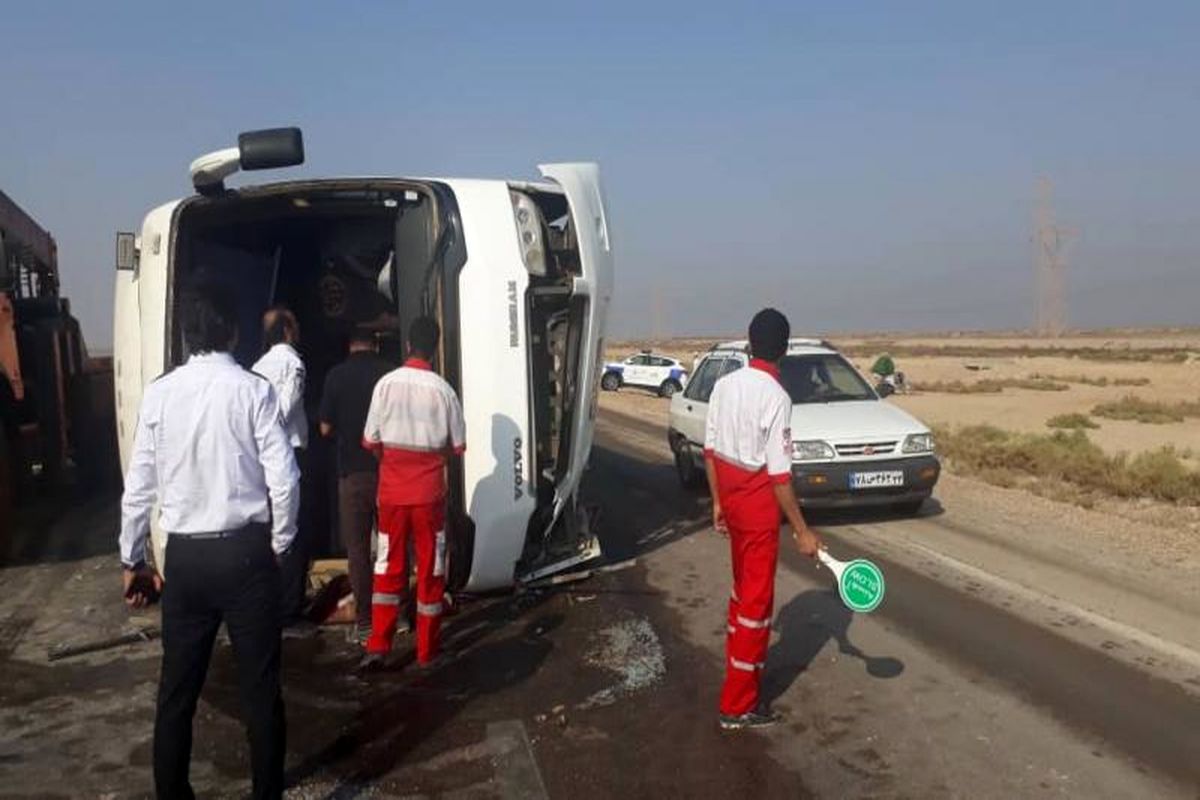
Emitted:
<point x="211" y="450"/>
<point x="345" y="401"/>
<point x="282" y="366"/>
<point x="884" y="368"/>
<point x="414" y="423"/>
<point x="748" y="460"/>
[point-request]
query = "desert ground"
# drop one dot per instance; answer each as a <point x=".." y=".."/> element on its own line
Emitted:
<point x="1160" y="366"/>
<point x="1153" y="358"/>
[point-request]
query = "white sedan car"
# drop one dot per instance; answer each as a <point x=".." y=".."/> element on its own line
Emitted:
<point x="663" y="374"/>
<point x="849" y="447"/>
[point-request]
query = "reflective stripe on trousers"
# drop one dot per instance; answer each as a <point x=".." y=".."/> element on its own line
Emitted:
<point x="429" y="609"/>
<point x="754" y="555"/>
<point x="425" y="526"/>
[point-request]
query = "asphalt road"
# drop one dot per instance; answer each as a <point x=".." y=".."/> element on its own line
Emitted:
<point x="1068" y="701"/>
<point x="965" y="683"/>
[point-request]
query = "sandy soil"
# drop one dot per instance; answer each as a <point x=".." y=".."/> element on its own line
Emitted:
<point x="1017" y="409"/>
<point x="1022" y="410"/>
<point x="1177" y="528"/>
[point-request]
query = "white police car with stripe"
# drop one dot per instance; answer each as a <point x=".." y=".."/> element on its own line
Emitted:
<point x="648" y="370"/>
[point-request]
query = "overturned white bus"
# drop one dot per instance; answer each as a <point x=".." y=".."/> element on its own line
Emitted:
<point x="518" y="273"/>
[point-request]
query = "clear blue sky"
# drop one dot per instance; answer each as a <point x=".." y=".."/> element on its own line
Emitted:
<point x="860" y="165"/>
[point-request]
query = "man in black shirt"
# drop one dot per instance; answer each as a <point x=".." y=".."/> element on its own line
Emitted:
<point x="345" y="399"/>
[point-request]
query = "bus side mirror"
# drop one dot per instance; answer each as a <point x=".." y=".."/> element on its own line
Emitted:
<point x="271" y="148"/>
<point x="126" y="251"/>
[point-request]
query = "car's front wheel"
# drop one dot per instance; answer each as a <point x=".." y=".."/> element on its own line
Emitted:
<point x="690" y="476"/>
<point x="668" y="388"/>
<point x="610" y="382"/>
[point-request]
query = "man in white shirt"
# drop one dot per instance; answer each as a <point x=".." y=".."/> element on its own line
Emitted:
<point x="282" y="366"/>
<point x="211" y="450"/>
<point x="748" y="459"/>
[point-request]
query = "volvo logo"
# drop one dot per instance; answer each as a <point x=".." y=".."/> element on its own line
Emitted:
<point x="518" y="469"/>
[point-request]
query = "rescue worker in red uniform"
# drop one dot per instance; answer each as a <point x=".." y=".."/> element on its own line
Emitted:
<point x="748" y="459"/>
<point x="413" y="424"/>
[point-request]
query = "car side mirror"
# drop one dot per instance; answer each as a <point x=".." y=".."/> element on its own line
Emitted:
<point x="885" y="389"/>
<point x="126" y="251"/>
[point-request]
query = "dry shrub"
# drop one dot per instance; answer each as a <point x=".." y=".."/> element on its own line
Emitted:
<point x="992" y="386"/>
<point x="1088" y="380"/>
<point x="1073" y="421"/>
<point x="959" y="387"/>
<point x="1171" y="355"/>
<point x="1150" y="412"/>
<point x="1161" y="473"/>
<point x="1035" y="384"/>
<point x="1068" y="465"/>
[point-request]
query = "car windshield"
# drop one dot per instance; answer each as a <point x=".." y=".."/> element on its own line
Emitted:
<point x="822" y="378"/>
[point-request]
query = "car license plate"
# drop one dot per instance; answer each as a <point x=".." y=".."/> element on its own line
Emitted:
<point x="876" y="480"/>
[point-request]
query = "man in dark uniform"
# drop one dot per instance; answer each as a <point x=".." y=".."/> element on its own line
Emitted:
<point x="344" y="403"/>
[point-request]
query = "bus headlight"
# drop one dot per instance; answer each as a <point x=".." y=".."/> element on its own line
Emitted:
<point x="529" y="233"/>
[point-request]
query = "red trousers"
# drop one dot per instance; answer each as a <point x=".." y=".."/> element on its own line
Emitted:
<point x="755" y="552"/>
<point x="425" y="524"/>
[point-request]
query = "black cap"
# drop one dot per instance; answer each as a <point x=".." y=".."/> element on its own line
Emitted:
<point x="769" y="334"/>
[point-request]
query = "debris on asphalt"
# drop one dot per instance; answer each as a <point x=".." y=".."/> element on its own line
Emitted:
<point x="617" y="567"/>
<point x="632" y="650"/>
<point x="60" y="651"/>
<point x="580" y="575"/>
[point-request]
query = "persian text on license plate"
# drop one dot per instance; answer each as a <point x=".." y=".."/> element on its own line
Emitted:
<point x="876" y="480"/>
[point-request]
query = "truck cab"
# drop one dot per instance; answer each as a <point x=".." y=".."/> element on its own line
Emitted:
<point x="518" y="273"/>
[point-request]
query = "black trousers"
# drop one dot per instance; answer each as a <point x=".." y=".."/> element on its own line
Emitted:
<point x="356" y="513"/>
<point x="234" y="580"/>
<point x="298" y="558"/>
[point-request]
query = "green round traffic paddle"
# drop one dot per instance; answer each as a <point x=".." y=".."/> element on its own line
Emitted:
<point x="860" y="582"/>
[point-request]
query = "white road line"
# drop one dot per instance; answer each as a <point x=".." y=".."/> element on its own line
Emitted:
<point x="1148" y="640"/>
<point x="516" y="769"/>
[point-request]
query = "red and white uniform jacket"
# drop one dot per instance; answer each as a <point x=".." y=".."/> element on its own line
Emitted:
<point x="748" y="437"/>
<point x="414" y="422"/>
